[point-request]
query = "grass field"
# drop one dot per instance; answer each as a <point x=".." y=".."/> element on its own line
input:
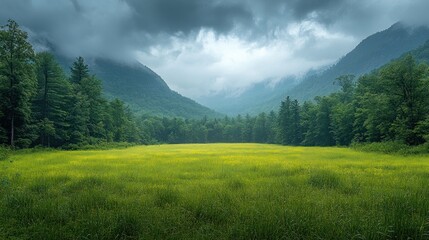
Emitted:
<point x="219" y="191"/>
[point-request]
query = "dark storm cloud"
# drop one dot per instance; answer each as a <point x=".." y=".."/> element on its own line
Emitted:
<point x="149" y="19"/>
<point x="302" y="8"/>
<point x="187" y="15"/>
<point x="141" y="23"/>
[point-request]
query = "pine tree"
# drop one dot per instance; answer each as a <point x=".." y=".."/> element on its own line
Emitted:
<point x="18" y="82"/>
<point x="343" y="111"/>
<point x="323" y="128"/>
<point x="88" y="116"/>
<point x="295" y="123"/>
<point x="79" y="70"/>
<point x="118" y="117"/>
<point x="285" y="122"/>
<point x="91" y="89"/>
<point x="309" y="123"/>
<point x="78" y="119"/>
<point x="52" y="101"/>
<point x="272" y="127"/>
<point x="260" y="129"/>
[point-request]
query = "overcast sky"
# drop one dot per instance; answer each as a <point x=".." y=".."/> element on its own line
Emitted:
<point x="201" y="47"/>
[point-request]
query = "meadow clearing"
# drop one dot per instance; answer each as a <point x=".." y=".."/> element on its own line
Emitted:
<point x="214" y="191"/>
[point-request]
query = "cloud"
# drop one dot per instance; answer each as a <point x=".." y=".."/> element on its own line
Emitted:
<point x="208" y="63"/>
<point x="202" y="47"/>
<point x="166" y="16"/>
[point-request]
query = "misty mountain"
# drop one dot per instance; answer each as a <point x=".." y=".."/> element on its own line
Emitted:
<point x="373" y="52"/>
<point x="251" y="101"/>
<point x="142" y="90"/>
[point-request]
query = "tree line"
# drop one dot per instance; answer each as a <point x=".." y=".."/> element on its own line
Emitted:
<point x="389" y="104"/>
<point x="42" y="106"/>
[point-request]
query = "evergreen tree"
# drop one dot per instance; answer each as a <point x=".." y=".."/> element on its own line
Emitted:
<point x="285" y="120"/>
<point x="295" y="123"/>
<point x="272" y="127"/>
<point x="78" y="119"/>
<point x="79" y="70"/>
<point x="118" y="117"/>
<point x="309" y="123"/>
<point x="290" y="122"/>
<point x="323" y="124"/>
<point x="343" y="111"/>
<point x="18" y="82"/>
<point x="131" y="129"/>
<point x="51" y="102"/>
<point x="91" y="89"/>
<point x="247" y="129"/>
<point x="260" y="129"/>
<point x="89" y="117"/>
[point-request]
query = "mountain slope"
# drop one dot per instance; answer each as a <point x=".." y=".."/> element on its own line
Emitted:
<point x="370" y="54"/>
<point x="142" y="89"/>
<point x="422" y="53"/>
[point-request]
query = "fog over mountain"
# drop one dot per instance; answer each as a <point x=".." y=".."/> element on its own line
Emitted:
<point x="205" y="47"/>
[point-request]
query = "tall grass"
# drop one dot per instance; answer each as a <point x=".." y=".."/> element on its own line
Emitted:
<point x="4" y="153"/>
<point x="392" y="148"/>
<point x="218" y="191"/>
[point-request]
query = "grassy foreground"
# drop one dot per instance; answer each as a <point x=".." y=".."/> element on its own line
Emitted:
<point x="219" y="191"/>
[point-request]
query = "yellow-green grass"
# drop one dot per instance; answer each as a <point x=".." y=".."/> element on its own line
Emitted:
<point x="216" y="191"/>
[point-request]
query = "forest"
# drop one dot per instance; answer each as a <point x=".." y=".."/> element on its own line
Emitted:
<point x="42" y="106"/>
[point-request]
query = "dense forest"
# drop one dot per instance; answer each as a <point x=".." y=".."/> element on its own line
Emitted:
<point x="42" y="106"/>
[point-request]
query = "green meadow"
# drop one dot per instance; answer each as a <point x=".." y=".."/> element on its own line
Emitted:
<point x="215" y="191"/>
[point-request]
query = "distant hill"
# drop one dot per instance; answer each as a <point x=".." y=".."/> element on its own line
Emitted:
<point x="142" y="89"/>
<point x="373" y="52"/>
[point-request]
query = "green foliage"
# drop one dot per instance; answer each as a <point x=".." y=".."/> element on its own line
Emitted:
<point x="100" y="146"/>
<point x="392" y="102"/>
